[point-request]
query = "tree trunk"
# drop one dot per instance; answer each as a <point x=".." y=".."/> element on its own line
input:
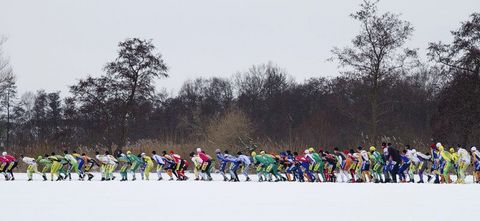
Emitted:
<point x="123" y="136"/>
<point x="128" y="110"/>
<point x="374" y="107"/>
<point x="8" y="119"/>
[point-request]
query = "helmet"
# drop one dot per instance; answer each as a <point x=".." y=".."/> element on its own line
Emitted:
<point x="4" y="153"/>
<point x="39" y="158"/>
<point x="217" y="151"/>
<point x="473" y="148"/>
<point x="306" y="152"/>
<point x="414" y="151"/>
<point x="143" y="154"/>
<point x="199" y="150"/>
<point x="254" y="154"/>
<point x="372" y="148"/>
<point x="311" y="150"/>
<point x="129" y="152"/>
<point x="438" y="145"/>
<point x="262" y="152"/>
<point x="452" y="150"/>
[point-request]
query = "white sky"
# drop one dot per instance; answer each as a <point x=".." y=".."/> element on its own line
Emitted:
<point x="51" y="44"/>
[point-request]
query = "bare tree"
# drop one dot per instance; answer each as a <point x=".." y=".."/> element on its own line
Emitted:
<point x="5" y="69"/>
<point x="463" y="54"/>
<point x="8" y="89"/>
<point x="26" y="103"/>
<point x="134" y="70"/>
<point x="377" y="52"/>
<point x="459" y="103"/>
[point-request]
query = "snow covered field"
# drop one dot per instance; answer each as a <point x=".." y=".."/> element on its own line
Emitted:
<point x="217" y="200"/>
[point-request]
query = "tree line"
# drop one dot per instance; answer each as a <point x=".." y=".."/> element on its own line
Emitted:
<point x="383" y="92"/>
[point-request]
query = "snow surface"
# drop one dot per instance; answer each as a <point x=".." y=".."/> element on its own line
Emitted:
<point x="218" y="200"/>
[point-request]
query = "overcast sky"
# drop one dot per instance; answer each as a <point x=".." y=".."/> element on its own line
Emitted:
<point x="51" y="44"/>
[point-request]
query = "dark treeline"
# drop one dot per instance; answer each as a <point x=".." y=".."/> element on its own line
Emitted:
<point x="383" y="93"/>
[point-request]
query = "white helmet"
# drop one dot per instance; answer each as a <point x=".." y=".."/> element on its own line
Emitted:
<point x="474" y="148"/>
<point x="143" y="154"/>
<point x="4" y="153"/>
<point x="199" y="150"/>
<point x="414" y="151"/>
<point x="439" y="144"/>
<point x="306" y="152"/>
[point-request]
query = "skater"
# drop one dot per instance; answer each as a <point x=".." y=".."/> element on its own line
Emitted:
<point x="197" y="165"/>
<point x="111" y="166"/>
<point x="234" y="165"/>
<point x="395" y="160"/>
<point x="476" y="164"/>
<point x="331" y="167"/>
<point x="181" y="166"/>
<point x="295" y="168"/>
<point x="357" y="159"/>
<point x="358" y="167"/>
<point x="387" y="164"/>
<point x="414" y="164"/>
<point x="143" y="165"/>
<point x="46" y="163"/>
<point x="447" y="160"/>
<point x="170" y="165"/>
<point x="160" y="163"/>
<point x="32" y="168"/>
<point x="135" y="163"/>
<point x="272" y="167"/>
<point x="3" y="167"/>
<point x="246" y="162"/>
<point x="72" y="165"/>
<point x="435" y="168"/>
<point x="124" y="164"/>
<point x="260" y="162"/>
<point x="284" y="164"/>
<point x="423" y="165"/>
<point x="455" y="160"/>
<point x="284" y="159"/>
<point x="303" y="164"/>
<point x="377" y="162"/>
<point x="56" y="166"/>
<point x="365" y="168"/>
<point x="404" y="165"/>
<point x="62" y="170"/>
<point x="11" y="164"/>
<point x="89" y="164"/>
<point x="206" y="164"/>
<point x="223" y="162"/>
<point x="104" y="160"/>
<point x="149" y="165"/>
<point x="319" y="165"/>
<point x="311" y="163"/>
<point x="80" y="164"/>
<point x="464" y="161"/>
<point x="341" y="164"/>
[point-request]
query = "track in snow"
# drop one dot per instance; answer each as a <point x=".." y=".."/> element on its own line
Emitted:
<point x="190" y="200"/>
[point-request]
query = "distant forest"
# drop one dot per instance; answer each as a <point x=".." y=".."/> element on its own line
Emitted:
<point x="383" y="92"/>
